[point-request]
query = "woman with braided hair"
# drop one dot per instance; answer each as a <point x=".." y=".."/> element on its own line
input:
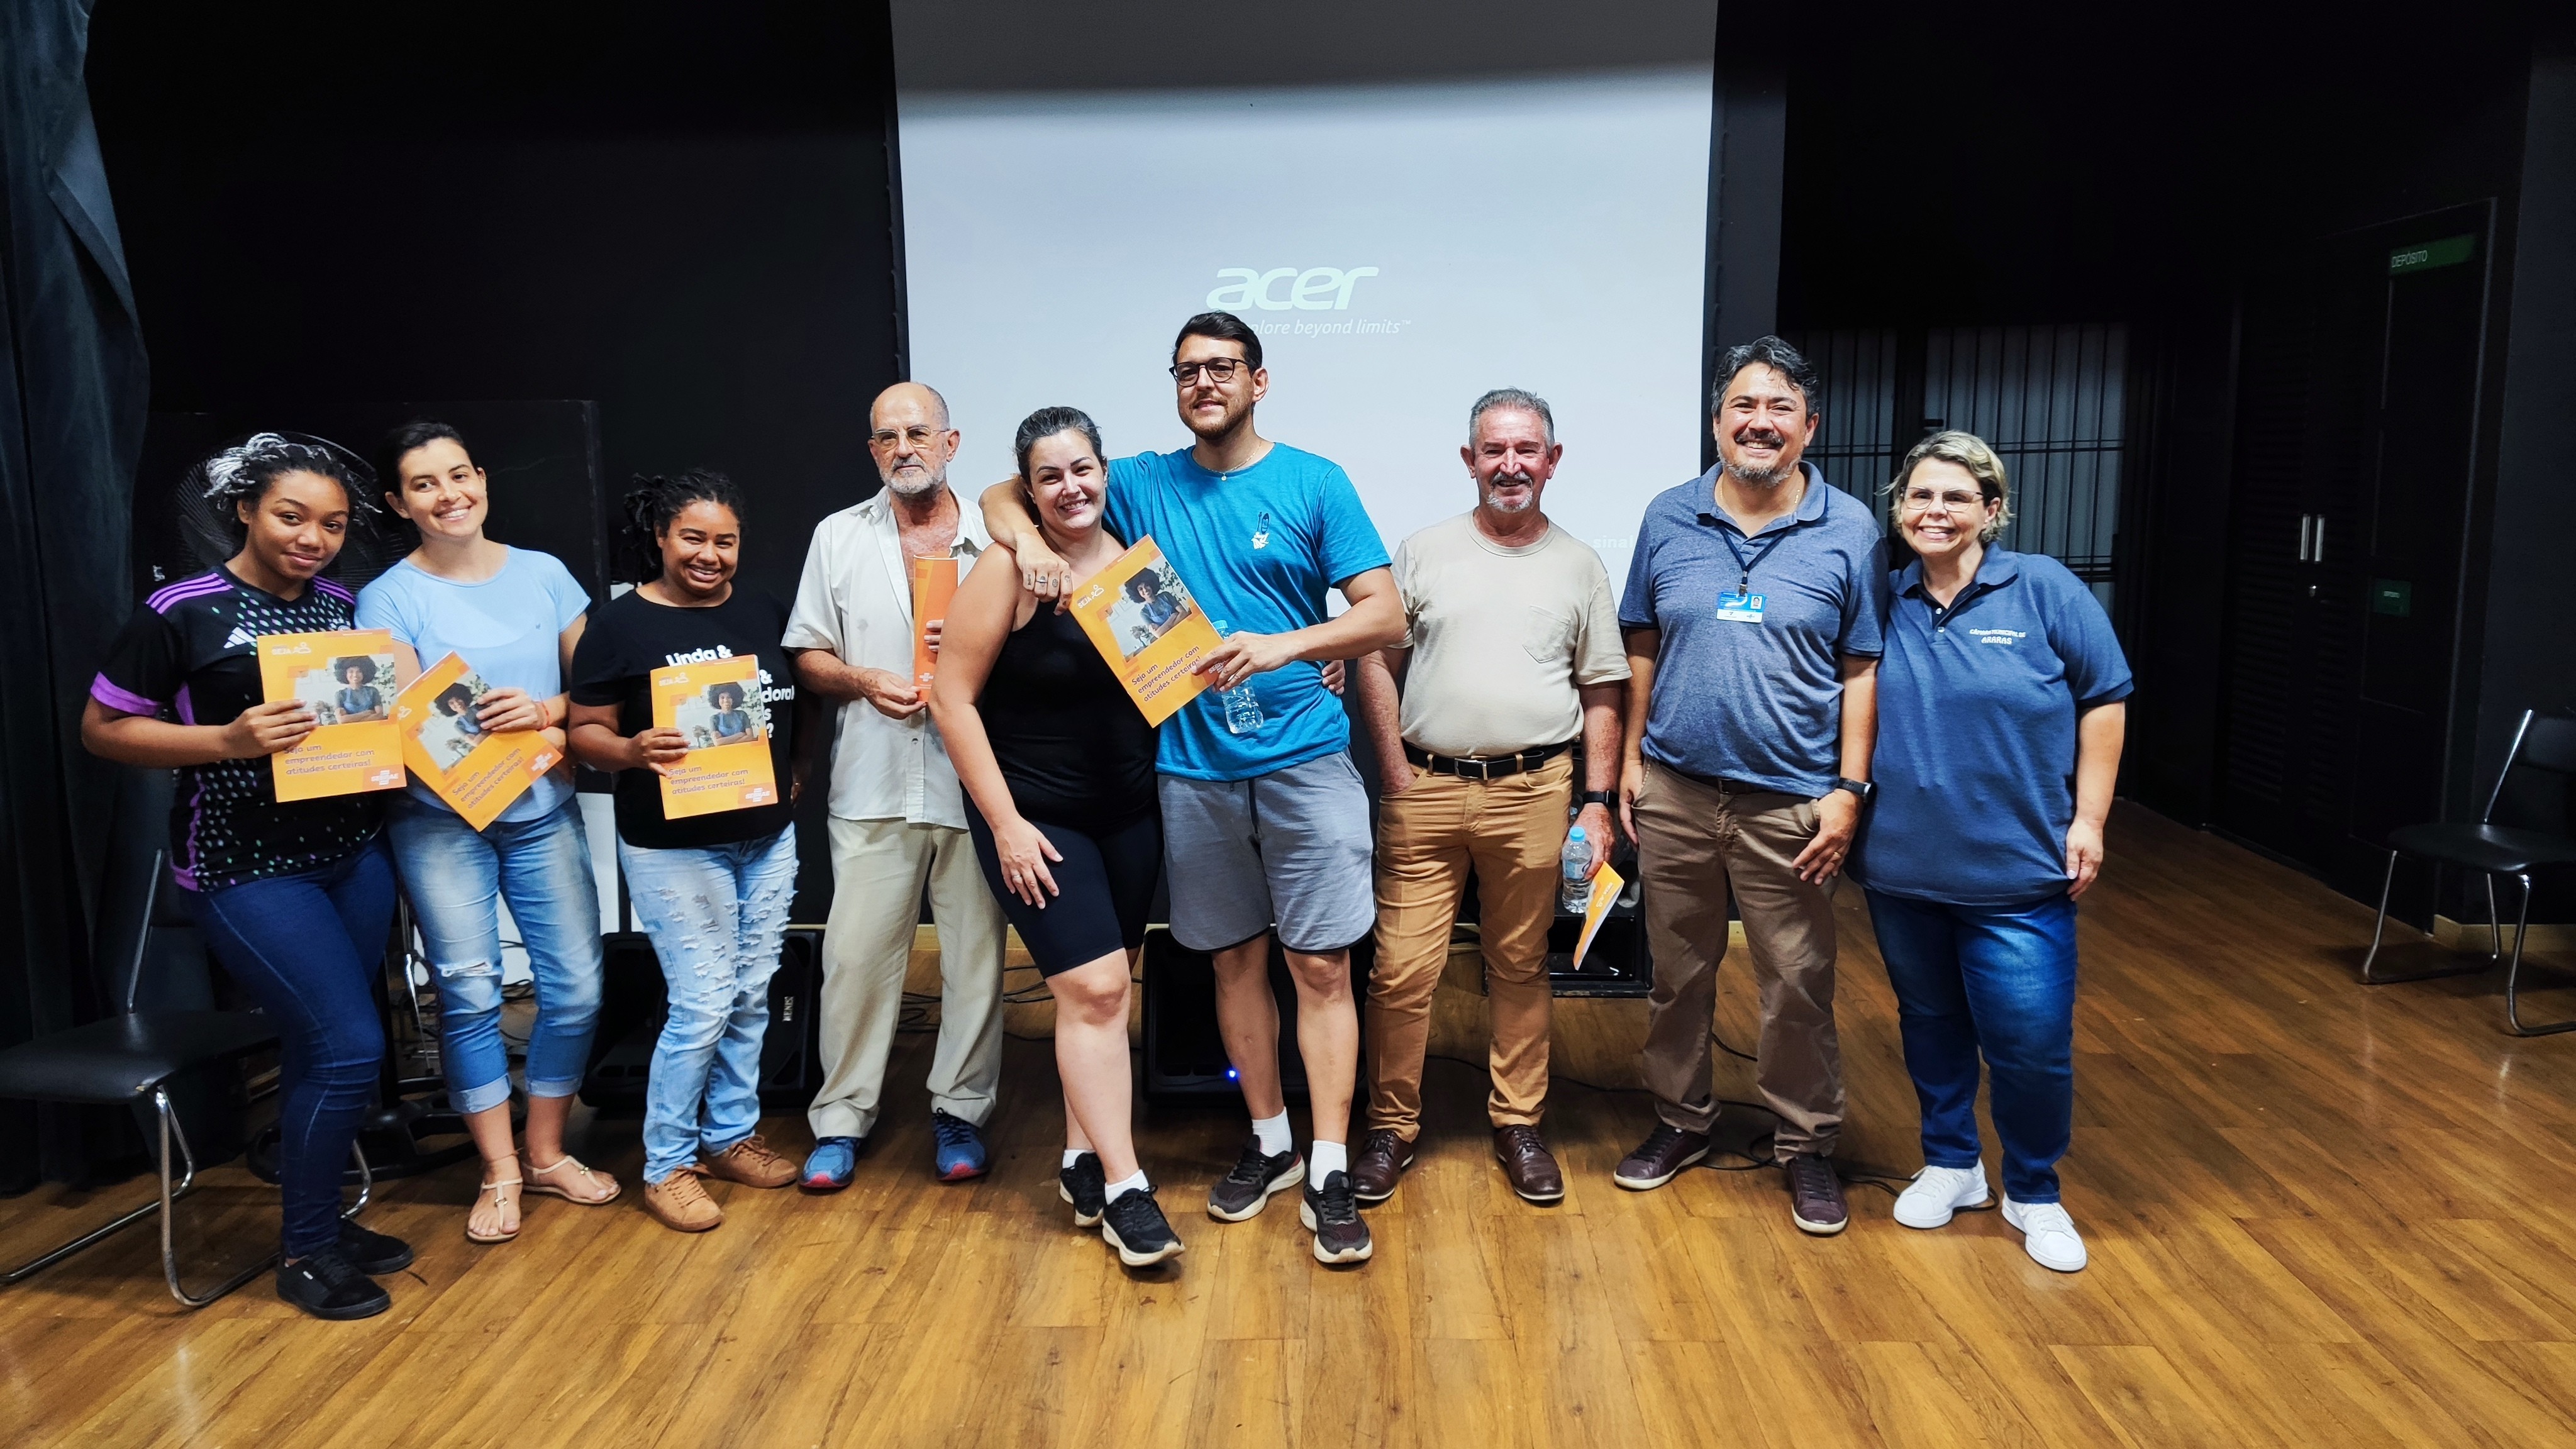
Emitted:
<point x="294" y="897"/>
<point x="712" y="891"/>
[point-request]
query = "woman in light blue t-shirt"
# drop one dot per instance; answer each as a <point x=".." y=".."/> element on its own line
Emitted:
<point x="513" y="616"/>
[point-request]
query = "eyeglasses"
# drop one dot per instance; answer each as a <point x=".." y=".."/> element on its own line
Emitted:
<point x="1921" y="502"/>
<point x="1218" y="369"/>
<point x="919" y="437"/>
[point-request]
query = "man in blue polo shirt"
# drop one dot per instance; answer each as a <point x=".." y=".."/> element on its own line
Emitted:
<point x="1752" y="626"/>
<point x="1265" y="821"/>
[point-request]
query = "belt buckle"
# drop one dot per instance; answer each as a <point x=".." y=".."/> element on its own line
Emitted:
<point x="1484" y="767"/>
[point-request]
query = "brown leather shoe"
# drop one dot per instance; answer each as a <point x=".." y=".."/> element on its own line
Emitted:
<point x="680" y="1202"/>
<point x="1815" y="1195"/>
<point x="1527" y="1164"/>
<point x="1666" y="1151"/>
<point x="751" y="1163"/>
<point x="1382" y="1158"/>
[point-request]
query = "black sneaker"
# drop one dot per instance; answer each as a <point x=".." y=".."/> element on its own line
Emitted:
<point x="1137" y="1229"/>
<point x="1083" y="1185"/>
<point x="373" y="1254"/>
<point x="1333" y="1215"/>
<point x="1256" y="1175"/>
<point x="325" y="1285"/>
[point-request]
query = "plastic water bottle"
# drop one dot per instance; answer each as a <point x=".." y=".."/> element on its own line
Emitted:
<point x="1242" y="706"/>
<point x="1574" y="892"/>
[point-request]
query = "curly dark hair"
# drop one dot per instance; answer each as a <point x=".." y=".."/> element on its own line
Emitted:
<point x="718" y="690"/>
<point x="651" y="505"/>
<point x="244" y="471"/>
<point x="460" y="694"/>
<point x="367" y="667"/>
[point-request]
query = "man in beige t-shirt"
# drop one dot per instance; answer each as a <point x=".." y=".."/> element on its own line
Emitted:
<point x="1511" y="676"/>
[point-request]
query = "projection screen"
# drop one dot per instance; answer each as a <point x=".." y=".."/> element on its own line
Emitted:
<point x="1402" y="242"/>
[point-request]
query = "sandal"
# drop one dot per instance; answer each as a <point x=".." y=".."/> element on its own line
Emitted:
<point x="493" y="1188"/>
<point x="595" y="1188"/>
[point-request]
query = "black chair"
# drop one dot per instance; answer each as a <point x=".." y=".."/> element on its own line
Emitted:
<point x="2545" y="742"/>
<point x="132" y="1058"/>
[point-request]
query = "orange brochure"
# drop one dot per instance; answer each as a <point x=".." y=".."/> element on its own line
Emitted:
<point x="1141" y="618"/>
<point x="934" y="583"/>
<point x="348" y="678"/>
<point x="446" y="748"/>
<point x="720" y="707"/>
<point x="1606" y="885"/>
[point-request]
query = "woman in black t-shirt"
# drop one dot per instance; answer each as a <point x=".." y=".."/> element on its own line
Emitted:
<point x="1058" y="766"/>
<point x="711" y="890"/>
<point x="295" y="898"/>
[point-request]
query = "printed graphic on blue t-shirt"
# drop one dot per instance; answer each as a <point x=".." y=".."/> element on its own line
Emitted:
<point x="1258" y="548"/>
<point x="508" y="629"/>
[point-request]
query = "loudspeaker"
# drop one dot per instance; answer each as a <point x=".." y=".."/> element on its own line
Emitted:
<point x="633" y="1005"/>
<point x="1184" y="1055"/>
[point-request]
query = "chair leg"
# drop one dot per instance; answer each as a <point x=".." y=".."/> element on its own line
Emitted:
<point x="2379" y="927"/>
<point x="171" y="1132"/>
<point x="2513" y="973"/>
<point x="161" y="1204"/>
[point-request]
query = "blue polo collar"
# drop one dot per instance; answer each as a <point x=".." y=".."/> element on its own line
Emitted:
<point x="1811" y="506"/>
<point x="1998" y="568"/>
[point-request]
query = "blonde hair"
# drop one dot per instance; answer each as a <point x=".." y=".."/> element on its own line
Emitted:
<point x="1964" y="450"/>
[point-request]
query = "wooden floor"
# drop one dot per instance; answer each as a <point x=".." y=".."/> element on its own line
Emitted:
<point x="2318" y="1214"/>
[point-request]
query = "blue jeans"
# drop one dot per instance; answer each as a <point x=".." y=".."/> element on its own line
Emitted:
<point x="306" y="948"/>
<point x="456" y="876"/>
<point x="717" y="917"/>
<point x="2000" y="979"/>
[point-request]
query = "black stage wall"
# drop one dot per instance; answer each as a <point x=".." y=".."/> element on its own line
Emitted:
<point x="679" y="212"/>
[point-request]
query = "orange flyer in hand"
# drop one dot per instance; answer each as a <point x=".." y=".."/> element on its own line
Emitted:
<point x="348" y="679"/>
<point x="934" y="583"/>
<point x="1606" y="885"/>
<point x="446" y="748"/>
<point x="1141" y="618"/>
<point x="720" y="707"/>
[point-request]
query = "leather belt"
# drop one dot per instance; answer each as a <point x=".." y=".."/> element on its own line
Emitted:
<point x="1484" y="767"/>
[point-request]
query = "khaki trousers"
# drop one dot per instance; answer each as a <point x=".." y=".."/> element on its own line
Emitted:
<point x="1695" y="842"/>
<point x="878" y="870"/>
<point x="1510" y="830"/>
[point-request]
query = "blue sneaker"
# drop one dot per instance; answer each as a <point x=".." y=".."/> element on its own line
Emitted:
<point x="960" y="1154"/>
<point x="831" y="1164"/>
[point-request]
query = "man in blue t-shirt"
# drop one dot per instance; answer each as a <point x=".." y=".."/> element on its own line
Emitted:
<point x="1265" y="821"/>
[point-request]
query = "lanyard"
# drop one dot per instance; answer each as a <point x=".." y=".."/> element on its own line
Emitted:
<point x="1745" y="584"/>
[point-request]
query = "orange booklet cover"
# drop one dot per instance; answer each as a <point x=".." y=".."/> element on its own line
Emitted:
<point x="348" y="678"/>
<point x="719" y="706"/>
<point x="1141" y="618"/>
<point x="934" y="583"/>
<point x="446" y="747"/>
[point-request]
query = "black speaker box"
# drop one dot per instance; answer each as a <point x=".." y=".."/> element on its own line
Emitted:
<point x="1184" y="1055"/>
<point x="633" y="1006"/>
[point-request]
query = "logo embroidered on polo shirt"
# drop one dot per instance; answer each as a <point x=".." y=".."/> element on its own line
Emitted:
<point x="1997" y="636"/>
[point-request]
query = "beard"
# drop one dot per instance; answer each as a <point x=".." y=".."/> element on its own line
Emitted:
<point x="914" y="482"/>
<point x="1526" y="502"/>
<point x="1233" y="417"/>
<point x="1771" y="477"/>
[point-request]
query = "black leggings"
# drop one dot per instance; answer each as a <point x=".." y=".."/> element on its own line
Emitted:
<point x="1105" y="886"/>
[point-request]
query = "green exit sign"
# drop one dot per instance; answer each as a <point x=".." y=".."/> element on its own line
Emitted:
<point x="2392" y="596"/>
<point x="2450" y="251"/>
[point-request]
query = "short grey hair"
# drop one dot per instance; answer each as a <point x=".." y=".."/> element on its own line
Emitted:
<point x="1518" y="399"/>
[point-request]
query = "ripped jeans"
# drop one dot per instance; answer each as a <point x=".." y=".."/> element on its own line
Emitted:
<point x="455" y="877"/>
<point x="717" y="917"/>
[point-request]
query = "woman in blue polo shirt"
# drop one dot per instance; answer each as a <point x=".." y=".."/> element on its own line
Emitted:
<point x="2000" y="718"/>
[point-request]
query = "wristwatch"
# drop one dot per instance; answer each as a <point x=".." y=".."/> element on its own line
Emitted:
<point x="1598" y="797"/>
<point x="1861" y="789"/>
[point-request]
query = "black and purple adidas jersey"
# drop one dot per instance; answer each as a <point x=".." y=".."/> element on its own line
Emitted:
<point x="191" y="654"/>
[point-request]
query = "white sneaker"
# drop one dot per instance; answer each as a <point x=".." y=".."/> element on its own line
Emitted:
<point x="1940" y="1191"/>
<point x="2047" y="1234"/>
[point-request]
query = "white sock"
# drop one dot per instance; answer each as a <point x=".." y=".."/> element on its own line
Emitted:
<point x="1274" y="1134"/>
<point x="1072" y="1154"/>
<point x="1126" y="1185"/>
<point x="1324" y="1159"/>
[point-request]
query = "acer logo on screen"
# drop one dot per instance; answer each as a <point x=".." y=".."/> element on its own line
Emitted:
<point x="1285" y="289"/>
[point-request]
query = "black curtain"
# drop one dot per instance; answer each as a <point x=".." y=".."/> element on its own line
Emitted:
<point x="71" y="426"/>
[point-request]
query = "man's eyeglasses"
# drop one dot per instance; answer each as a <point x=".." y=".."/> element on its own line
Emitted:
<point x="1218" y="369"/>
<point x="919" y="437"/>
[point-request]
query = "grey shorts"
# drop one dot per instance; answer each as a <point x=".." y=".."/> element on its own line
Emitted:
<point x="1290" y="849"/>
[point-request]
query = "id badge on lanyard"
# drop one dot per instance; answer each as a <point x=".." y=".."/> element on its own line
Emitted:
<point x="1741" y="605"/>
<point x="1737" y="606"/>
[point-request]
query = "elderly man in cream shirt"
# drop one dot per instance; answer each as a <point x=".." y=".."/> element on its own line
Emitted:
<point x="898" y="818"/>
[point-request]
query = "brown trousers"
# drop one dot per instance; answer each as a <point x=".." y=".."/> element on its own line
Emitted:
<point x="1694" y="843"/>
<point x="1510" y="830"/>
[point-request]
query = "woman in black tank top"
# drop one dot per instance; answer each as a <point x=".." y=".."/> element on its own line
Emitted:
<point x="1058" y="766"/>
